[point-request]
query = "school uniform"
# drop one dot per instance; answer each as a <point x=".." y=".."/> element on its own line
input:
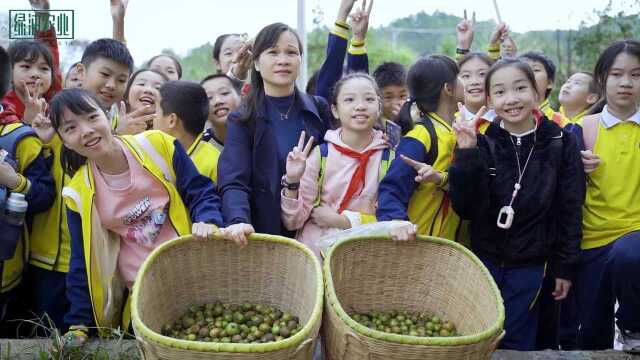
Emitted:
<point x="546" y="231"/>
<point x="205" y="157"/>
<point x="97" y="294"/>
<point x="611" y="215"/>
<point x="427" y="205"/>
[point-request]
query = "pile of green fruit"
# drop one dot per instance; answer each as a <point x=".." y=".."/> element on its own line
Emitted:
<point x="405" y="323"/>
<point x="230" y="323"/>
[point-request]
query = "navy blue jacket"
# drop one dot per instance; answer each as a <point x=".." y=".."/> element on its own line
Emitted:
<point x="332" y="68"/>
<point x="197" y="192"/>
<point x="248" y="170"/>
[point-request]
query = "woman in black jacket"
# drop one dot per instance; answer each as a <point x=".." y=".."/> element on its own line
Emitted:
<point x="520" y="182"/>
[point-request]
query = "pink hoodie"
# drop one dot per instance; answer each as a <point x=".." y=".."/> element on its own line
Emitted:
<point x="338" y="172"/>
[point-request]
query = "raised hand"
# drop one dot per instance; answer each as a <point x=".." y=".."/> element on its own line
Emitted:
<point x="345" y="9"/>
<point x="426" y="173"/>
<point x="136" y="121"/>
<point x="360" y="21"/>
<point x="466" y="129"/>
<point x="33" y="103"/>
<point x="242" y="60"/>
<point x="118" y="9"/>
<point x="42" y="126"/>
<point x="297" y="159"/>
<point x="464" y="31"/>
<point x="499" y="34"/>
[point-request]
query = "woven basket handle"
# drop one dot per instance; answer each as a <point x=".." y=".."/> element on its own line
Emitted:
<point x="144" y="348"/>
<point x="345" y="344"/>
<point x="304" y="346"/>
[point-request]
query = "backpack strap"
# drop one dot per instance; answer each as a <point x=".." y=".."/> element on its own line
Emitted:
<point x="9" y="141"/>
<point x="324" y="152"/>
<point x="590" y="132"/>
<point x="432" y="154"/>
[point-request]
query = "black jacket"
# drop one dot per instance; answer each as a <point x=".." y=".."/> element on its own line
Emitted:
<point x="547" y="225"/>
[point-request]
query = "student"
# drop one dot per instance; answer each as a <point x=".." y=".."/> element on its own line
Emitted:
<point x="411" y="191"/>
<point x="465" y="33"/>
<point x="5" y="73"/>
<point x="611" y="220"/>
<point x="524" y="209"/>
<point x="105" y="68"/>
<point x="260" y="136"/>
<point x="391" y="78"/>
<point x="577" y="95"/>
<point x="334" y="187"/>
<point x="224" y="99"/>
<point x="73" y="78"/>
<point x="473" y="70"/>
<point x="545" y="71"/>
<point x="225" y="48"/>
<point x="167" y="64"/>
<point x="133" y="191"/>
<point x="140" y="97"/>
<point x="182" y="112"/>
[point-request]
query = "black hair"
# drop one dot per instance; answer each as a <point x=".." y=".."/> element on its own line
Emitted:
<point x="220" y="76"/>
<point x="476" y="55"/>
<point x="266" y="38"/>
<point x="109" y="49"/>
<point x="78" y="101"/>
<point x="608" y="57"/>
<point x="515" y="63"/>
<point x="354" y="75"/>
<point x="132" y="78"/>
<point x="188" y="101"/>
<point x="175" y="60"/>
<point x="390" y="73"/>
<point x="217" y="46"/>
<point x="30" y="51"/>
<point x="311" y="83"/>
<point x="426" y="79"/>
<point x="593" y="87"/>
<point x="66" y="76"/>
<point x="547" y="63"/>
<point x="5" y="72"/>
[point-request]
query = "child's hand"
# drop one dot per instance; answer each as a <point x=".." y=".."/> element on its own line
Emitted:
<point x="136" y="121"/>
<point x="360" y="21"/>
<point x="590" y="161"/>
<point x="499" y="34"/>
<point x="119" y="9"/>
<point x="74" y="338"/>
<point x="39" y="4"/>
<point x="403" y="231"/>
<point x="326" y="217"/>
<point x="238" y="233"/>
<point x="562" y="289"/>
<point x="464" y="31"/>
<point x="297" y="159"/>
<point x="242" y="61"/>
<point x="202" y="231"/>
<point x="426" y="173"/>
<point x="33" y="103"/>
<point x="466" y="129"/>
<point x="43" y="128"/>
<point x="345" y="9"/>
<point x="8" y="176"/>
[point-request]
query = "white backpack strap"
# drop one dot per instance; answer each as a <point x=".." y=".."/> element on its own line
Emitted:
<point x="73" y="194"/>
<point x="144" y="143"/>
<point x="590" y="132"/>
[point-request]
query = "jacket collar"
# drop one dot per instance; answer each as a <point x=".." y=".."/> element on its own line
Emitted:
<point x="609" y="120"/>
<point x="305" y="103"/>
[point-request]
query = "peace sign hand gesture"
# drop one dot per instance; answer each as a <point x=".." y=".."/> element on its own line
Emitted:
<point x="464" y="31"/>
<point x="297" y="159"/>
<point x="360" y="21"/>
<point x="466" y="129"/>
<point x="33" y="103"/>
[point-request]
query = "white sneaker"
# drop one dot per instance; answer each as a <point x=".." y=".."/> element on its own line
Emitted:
<point x="630" y="341"/>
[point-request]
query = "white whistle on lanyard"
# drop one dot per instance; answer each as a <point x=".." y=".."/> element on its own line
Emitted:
<point x="505" y="217"/>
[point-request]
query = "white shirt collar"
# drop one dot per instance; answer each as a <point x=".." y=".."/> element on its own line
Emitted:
<point x="524" y="133"/>
<point x="609" y="120"/>
<point x="489" y="115"/>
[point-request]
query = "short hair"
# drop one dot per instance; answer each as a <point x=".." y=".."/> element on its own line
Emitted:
<point x="390" y="73"/>
<point x="547" y="63"/>
<point x="189" y="101"/>
<point x="109" y="49"/>
<point x="132" y="78"/>
<point x="175" y="60"/>
<point x="235" y="85"/>
<point x="30" y="51"/>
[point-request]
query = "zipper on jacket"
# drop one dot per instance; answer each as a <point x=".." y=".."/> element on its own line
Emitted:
<point x="518" y="141"/>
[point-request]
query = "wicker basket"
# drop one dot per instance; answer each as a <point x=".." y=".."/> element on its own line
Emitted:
<point x="427" y="275"/>
<point x="271" y="270"/>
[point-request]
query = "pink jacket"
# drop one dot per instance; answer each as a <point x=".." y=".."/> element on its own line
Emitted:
<point x="338" y="172"/>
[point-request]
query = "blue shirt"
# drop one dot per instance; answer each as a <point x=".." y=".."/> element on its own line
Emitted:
<point x="286" y="122"/>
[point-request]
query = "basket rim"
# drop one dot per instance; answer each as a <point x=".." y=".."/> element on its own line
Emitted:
<point x="334" y="303"/>
<point x="149" y="335"/>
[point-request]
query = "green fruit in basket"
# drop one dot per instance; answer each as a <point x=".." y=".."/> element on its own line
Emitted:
<point x="191" y="337"/>
<point x="268" y="337"/>
<point x="194" y="309"/>
<point x="275" y="329"/>
<point x="247" y="307"/>
<point x="444" y="333"/>
<point x="430" y="326"/>
<point x="228" y="317"/>
<point x="422" y="332"/>
<point x="215" y="332"/>
<point x="264" y="327"/>
<point x="209" y="320"/>
<point x="379" y="327"/>
<point x="414" y="333"/>
<point x="225" y="340"/>
<point x="292" y="324"/>
<point x="285" y="332"/>
<point x="238" y="317"/>
<point x="209" y="307"/>
<point x="396" y="330"/>
<point x="393" y="322"/>
<point x="225" y="323"/>
<point x="236" y="338"/>
<point x="223" y="333"/>
<point x="437" y="328"/>
<point x="435" y="320"/>
<point x="401" y="318"/>
<point x="287" y="316"/>
<point x="187" y="322"/>
<point x="203" y="332"/>
<point x="447" y="325"/>
<point x="218" y="310"/>
<point x="429" y="333"/>
<point x="250" y="314"/>
<point x="258" y="334"/>
<point x="232" y="329"/>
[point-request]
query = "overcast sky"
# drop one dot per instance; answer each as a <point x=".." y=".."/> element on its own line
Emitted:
<point x="153" y="25"/>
